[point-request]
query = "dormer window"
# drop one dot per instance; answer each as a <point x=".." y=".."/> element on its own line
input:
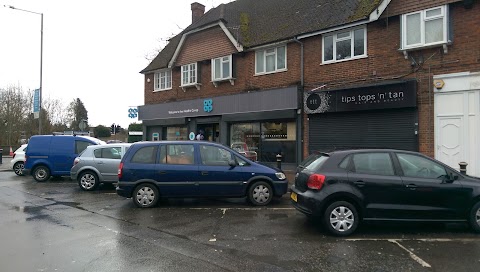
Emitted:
<point x="163" y="80"/>
<point x="425" y="28"/>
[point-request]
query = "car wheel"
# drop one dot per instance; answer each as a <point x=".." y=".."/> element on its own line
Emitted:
<point x="18" y="168"/>
<point x="145" y="195"/>
<point x="475" y="217"/>
<point x="41" y="173"/>
<point x="341" y="218"/>
<point x="88" y="181"/>
<point x="260" y="193"/>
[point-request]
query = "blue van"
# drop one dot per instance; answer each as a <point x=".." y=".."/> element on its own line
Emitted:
<point x="150" y="170"/>
<point x="53" y="155"/>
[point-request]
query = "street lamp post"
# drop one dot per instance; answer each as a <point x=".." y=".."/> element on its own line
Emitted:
<point x="41" y="64"/>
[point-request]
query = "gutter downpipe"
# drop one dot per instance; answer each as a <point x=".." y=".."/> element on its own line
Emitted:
<point x="300" y="107"/>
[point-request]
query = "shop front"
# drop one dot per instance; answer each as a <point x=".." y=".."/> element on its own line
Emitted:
<point x="259" y="124"/>
<point x="374" y="116"/>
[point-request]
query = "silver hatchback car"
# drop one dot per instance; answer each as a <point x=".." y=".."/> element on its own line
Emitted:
<point x="98" y="164"/>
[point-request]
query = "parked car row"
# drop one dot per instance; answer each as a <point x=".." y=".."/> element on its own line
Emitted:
<point x="341" y="188"/>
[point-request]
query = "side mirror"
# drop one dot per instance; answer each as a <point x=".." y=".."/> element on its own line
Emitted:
<point x="450" y="178"/>
<point x="232" y="163"/>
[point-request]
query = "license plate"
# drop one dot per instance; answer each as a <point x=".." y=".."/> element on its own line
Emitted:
<point x="293" y="196"/>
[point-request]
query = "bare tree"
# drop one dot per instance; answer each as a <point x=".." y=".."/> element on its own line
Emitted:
<point x="13" y="111"/>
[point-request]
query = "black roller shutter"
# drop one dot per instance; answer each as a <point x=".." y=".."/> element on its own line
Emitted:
<point x="393" y="128"/>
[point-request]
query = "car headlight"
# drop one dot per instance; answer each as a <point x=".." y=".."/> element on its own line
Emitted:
<point x="280" y="175"/>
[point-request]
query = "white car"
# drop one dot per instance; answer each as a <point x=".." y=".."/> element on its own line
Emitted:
<point x="18" y="160"/>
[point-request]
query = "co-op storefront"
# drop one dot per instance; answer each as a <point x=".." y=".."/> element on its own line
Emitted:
<point x="260" y="124"/>
<point x="375" y="116"/>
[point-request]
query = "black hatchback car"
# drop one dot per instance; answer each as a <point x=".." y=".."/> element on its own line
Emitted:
<point x="345" y="187"/>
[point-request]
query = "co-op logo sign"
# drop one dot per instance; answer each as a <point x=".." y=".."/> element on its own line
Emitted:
<point x="208" y="105"/>
<point x="132" y="112"/>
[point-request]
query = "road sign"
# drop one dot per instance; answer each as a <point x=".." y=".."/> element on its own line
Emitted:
<point x="82" y="125"/>
<point x="36" y="103"/>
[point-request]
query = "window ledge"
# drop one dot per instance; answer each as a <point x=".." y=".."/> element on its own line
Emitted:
<point x="161" y="90"/>
<point x="269" y="73"/>
<point x="231" y="79"/>
<point x="196" y="85"/>
<point x="420" y="47"/>
<point x="343" y="60"/>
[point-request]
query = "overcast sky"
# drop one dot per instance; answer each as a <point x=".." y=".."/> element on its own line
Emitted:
<point x="92" y="49"/>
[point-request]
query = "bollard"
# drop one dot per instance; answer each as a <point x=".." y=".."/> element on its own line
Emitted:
<point x="279" y="161"/>
<point x="463" y="167"/>
<point x="1" y="154"/>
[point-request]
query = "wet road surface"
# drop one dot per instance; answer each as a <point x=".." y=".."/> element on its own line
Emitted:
<point x="54" y="226"/>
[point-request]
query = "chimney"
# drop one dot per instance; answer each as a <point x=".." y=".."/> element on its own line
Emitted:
<point x="197" y="11"/>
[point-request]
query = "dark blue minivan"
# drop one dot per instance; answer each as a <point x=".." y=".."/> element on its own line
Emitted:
<point x="53" y="155"/>
<point x="150" y="170"/>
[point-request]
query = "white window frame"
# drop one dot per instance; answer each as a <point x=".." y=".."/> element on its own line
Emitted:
<point x="265" y="60"/>
<point x="222" y="61"/>
<point x="192" y="67"/>
<point x="157" y="80"/>
<point x="423" y="19"/>
<point x="352" y="44"/>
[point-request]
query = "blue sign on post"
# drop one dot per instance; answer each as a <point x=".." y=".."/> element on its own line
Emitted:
<point x="36" y="103"/>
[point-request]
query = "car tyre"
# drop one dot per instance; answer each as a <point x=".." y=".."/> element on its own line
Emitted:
<point x="18" y="168"/>
<point x="475" y="218"/>
<point x="341" y="218"/>
<point x="41" y="173"/>
<point x="88" y="181"/>
<point x="145" y="195"/>
<point x="260" y="193"/>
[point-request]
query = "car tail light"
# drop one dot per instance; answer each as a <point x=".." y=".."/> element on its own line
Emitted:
<point x="316" y="181"/>
<point x="25" y="161"/>
<point x="77" y="160"/>
<point x="14" y="155"/>
<point x="120" y="170"/>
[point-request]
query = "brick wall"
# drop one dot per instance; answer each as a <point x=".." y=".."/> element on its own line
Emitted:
<point x="205" y="45"/>
<point x="245" y="79"/>
<point x="385" y="62"/>
<point x="397" y="7"/>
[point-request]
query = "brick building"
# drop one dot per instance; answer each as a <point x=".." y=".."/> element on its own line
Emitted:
<point x="281" y="76"/>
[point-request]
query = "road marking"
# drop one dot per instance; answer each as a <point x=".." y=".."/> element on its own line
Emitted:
<point x="240" y="209"/>
<point x="412" y="255"/>
<point x="416" y="239"/>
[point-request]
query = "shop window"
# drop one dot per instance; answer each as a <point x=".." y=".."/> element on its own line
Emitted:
<point x="176" y="133"/>
<point x="263" y="141"/>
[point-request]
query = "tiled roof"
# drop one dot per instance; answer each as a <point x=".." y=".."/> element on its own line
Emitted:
<point x="258" y="22"/>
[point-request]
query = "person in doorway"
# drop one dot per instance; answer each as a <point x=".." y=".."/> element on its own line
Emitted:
<point x="200" y="135"/>
<point x="217" y="137"/>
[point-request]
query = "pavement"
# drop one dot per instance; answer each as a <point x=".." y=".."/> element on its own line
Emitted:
<point x="5" y="165"/>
